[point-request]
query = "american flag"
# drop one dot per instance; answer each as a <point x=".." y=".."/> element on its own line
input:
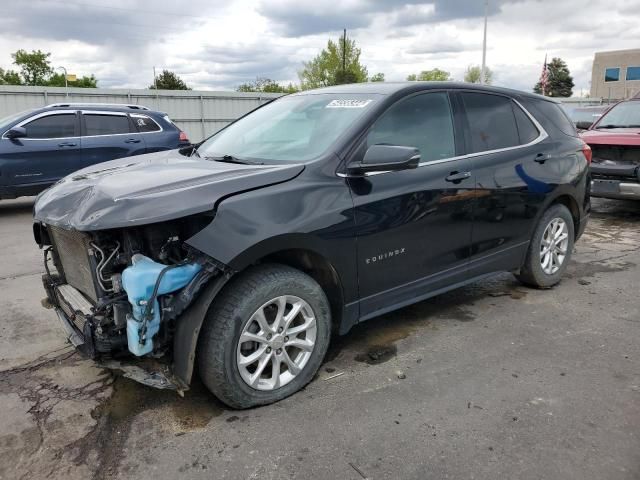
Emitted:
<point x="544" y="77"/>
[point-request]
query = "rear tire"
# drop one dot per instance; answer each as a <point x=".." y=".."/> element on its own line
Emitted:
<point x="235" y="333"/>
<point x="550" y="249"/>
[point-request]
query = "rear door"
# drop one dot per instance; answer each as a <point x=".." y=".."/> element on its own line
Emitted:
<point x="413" y="226"/>
<point x="157" y="137"/>
<point x="507" y="151"/>
<point x="107" y="136"/>
<point x="50" y="151"/>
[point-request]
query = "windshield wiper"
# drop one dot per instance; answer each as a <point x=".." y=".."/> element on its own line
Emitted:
<point x="232" y="159"/>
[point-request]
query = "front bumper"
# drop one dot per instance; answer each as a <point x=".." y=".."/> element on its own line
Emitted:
<point x="617" y="189"/>
<point x="619" y="181"/>
<point x="75" y="321"/>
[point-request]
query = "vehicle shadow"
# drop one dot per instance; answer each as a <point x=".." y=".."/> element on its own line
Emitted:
<point x="620" y="210"/>
<point x="16" y="207"/>
<point x="375" y="341"/>
<point x="372" y="342"/>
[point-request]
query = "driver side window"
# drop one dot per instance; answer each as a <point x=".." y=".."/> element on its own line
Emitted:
<point x="52" y="126"/>
<point x="423" y="121"/>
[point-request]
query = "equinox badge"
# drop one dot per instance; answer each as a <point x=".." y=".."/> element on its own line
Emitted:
<point x="384" y="256"/>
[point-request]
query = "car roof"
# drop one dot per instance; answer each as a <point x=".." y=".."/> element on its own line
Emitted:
<point x="390" y="88"/>
<point x="109" y="107"/>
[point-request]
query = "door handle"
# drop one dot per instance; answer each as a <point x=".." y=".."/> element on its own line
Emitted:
<point x="132" y="140"/>
<point x="542" y="157"/>
<point x="67" y="144"/>
<point x="457" y="177"/>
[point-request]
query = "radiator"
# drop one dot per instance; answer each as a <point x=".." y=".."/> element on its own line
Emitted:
<point x="72" y="248"/>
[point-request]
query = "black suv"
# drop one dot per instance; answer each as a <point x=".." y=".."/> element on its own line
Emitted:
<point x="40" y="146"/>
<point x="308" y="215"/>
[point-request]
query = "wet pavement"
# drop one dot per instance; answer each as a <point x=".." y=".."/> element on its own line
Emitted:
<point x="493" y="380"/>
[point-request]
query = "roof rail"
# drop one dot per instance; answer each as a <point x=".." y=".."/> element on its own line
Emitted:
<point x="84" y="104"/>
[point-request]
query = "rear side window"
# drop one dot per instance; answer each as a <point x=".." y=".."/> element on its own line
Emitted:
<point x="96" y="124"/>
<point x="527" y="131"/>
<point x="52" y="126"/>
<point x="424" y="122"/>
<point x="555" y="114"/>
<point x="145" y="124"/>
<point x="492" y="123"/>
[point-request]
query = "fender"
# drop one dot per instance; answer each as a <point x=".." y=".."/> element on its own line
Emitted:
<point x="573" y="192"/>
<point x="312" y="215"/>
<point x="188" y="327"/>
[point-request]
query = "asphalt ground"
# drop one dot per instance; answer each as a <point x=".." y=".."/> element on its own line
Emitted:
<point x="489" y="381"/>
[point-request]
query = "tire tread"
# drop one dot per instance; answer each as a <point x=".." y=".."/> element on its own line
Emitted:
<point x="220" y="326"/>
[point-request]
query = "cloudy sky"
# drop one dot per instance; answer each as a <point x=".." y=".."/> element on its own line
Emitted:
<point x="219" y="44"/>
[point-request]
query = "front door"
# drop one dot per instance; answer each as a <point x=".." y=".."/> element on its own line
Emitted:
<point x="413" y="226"/>
<point x="50" y="151"/>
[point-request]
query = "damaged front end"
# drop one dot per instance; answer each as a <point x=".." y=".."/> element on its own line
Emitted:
<point x="615" y="171"/>
<point x="121" y="294"/>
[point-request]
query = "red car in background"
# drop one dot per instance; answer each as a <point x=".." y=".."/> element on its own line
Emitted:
<point x="615" y="142"/>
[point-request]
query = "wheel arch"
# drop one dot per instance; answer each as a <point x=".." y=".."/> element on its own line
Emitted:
<point x="307" y="260"/>
<point x="318" y="267"/>
<point x="572" y="205"/>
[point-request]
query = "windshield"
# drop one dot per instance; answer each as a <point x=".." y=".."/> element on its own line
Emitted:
<point x="585" y="114"/>
<point x="623" y="115"/>
<point x="293" y="128"/>
<point x="7" y="121"/>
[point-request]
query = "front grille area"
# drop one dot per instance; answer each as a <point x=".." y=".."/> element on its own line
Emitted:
<point x="616" y="154"/>
<point x="75" y="306"/>
<point x="72" y="249"/>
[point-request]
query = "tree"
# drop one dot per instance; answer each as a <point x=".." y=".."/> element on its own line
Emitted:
<point x="327" y="67"/>
<point x="474" y="72"/>
<point x="559" y="80"/>
<point x="57" y="80"/>
<point x="378" y="77"/>
<point x="435" y="75"/>
<point x="266" y="85"/>
<point x="168" y="80"/>
<point x="9" y="77"/>
<point x="35" y="67"/>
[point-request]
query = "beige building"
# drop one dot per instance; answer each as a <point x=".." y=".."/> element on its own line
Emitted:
<point x="616" y="74"/>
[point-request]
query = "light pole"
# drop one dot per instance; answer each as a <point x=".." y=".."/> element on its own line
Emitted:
<point x="66" y="84"/>
<point x="484" y="43"/>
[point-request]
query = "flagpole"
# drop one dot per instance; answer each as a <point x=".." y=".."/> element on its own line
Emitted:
<point x="484" y="42"/>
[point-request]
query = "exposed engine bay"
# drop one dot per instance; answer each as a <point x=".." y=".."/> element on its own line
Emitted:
<point x="121" y="291"/>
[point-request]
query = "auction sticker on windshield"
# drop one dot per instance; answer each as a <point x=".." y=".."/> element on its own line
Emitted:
<point x="348" y="103"/>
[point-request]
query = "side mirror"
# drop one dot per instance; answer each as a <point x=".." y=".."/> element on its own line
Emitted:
<point x="385" y="158"/>
<point x="584" y="124"/>
<point x="16" y="132"/>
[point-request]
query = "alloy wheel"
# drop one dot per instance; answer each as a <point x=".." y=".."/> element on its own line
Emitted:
<point x="276" y="343"/>
<point x="554" y="245"/>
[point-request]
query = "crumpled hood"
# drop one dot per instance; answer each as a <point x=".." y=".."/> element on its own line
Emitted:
<point x="148" y="189"/>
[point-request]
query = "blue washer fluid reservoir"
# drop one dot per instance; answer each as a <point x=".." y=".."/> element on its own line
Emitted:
<point x="139" y="280"/>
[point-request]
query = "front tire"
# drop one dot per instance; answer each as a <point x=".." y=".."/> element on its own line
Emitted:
<point x="550" y="249"/>
<point x="264" y="337"/>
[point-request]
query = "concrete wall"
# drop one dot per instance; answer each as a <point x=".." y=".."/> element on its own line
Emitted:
<point x="623" y="88"/>
<point x="199" y="113"/>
